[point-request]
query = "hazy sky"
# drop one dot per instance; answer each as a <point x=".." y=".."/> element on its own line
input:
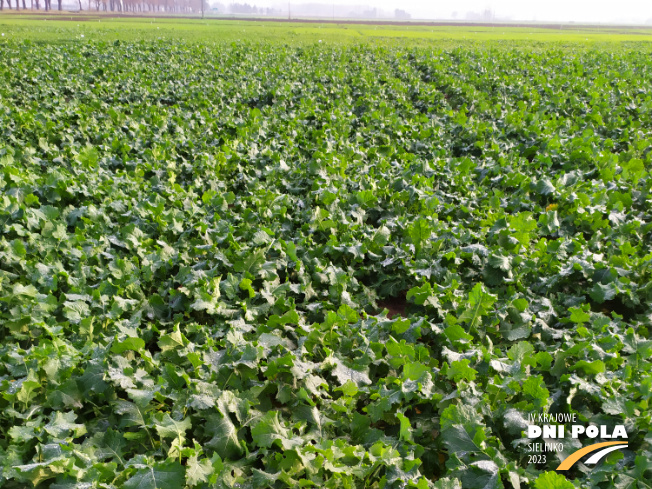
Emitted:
<point x="553" y="10"/>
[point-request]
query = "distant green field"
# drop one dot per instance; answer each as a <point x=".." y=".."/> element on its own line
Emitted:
<point x="92" y="26"/>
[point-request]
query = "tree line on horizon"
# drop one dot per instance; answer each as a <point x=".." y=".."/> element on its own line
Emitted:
<point x="34" y="4"/>
<point x="171" y="6"/>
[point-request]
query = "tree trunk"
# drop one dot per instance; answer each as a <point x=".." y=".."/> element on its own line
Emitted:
<point x="80" y="7"/>
<point x="24" y="5"/>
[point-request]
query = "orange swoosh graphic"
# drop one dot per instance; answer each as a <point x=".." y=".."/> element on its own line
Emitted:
<point x="575" y="456"/>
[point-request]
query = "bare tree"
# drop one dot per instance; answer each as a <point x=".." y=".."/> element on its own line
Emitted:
<point x="171" y="6"/>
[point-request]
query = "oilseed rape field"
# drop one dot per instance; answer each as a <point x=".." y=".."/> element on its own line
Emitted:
<point x="311" y="262"/>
